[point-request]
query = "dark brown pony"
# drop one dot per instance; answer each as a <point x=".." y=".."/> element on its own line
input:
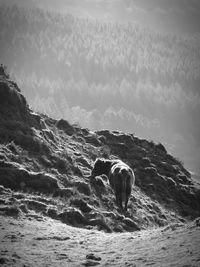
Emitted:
<point x="121" y="178"/>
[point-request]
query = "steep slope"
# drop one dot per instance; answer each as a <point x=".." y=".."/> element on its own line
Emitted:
<point x="45" y="167"/>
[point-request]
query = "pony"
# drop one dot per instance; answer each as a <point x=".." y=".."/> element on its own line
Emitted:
<point x="121" y="178"/>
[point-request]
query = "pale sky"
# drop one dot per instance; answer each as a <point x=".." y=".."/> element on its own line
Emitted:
<point x="174" y="16"/>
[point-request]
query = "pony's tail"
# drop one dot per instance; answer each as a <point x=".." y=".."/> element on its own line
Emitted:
<point x="125" y="178"/>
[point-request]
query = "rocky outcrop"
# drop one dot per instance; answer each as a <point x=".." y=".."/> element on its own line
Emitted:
<point x="13" y="104"/>
<point x="45" y="166"/>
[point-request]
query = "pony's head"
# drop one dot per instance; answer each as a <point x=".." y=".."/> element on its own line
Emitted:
<point x="101" y="166"/>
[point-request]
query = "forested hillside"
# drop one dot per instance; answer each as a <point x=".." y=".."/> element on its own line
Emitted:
<point x="106" y="75"/>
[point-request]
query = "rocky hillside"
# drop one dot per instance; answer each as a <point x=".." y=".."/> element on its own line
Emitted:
<point x="45" y="167"/>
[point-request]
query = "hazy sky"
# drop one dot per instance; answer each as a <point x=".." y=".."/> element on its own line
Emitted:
<point x="175" y="16"/>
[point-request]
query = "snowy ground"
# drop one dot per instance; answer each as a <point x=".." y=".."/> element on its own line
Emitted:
<point x="40" y="241"/>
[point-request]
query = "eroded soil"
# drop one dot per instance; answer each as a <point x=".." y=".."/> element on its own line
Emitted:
<point x="39" y="241"/>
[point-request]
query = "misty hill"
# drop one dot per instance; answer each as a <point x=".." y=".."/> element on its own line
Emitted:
<point x="107" y="75"/>
<point x="45" y="167"/>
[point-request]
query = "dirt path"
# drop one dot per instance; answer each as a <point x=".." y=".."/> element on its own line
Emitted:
<point x="39" y="241"/>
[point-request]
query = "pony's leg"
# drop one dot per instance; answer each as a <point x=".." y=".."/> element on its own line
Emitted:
<point x="128" y="193"/>
<point x="120" y="202"/>
<point x="119" y="199"/>
<point x="126" y="203"/>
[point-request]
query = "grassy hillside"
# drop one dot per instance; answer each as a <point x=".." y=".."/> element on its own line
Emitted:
<point x="45" y="167"/>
